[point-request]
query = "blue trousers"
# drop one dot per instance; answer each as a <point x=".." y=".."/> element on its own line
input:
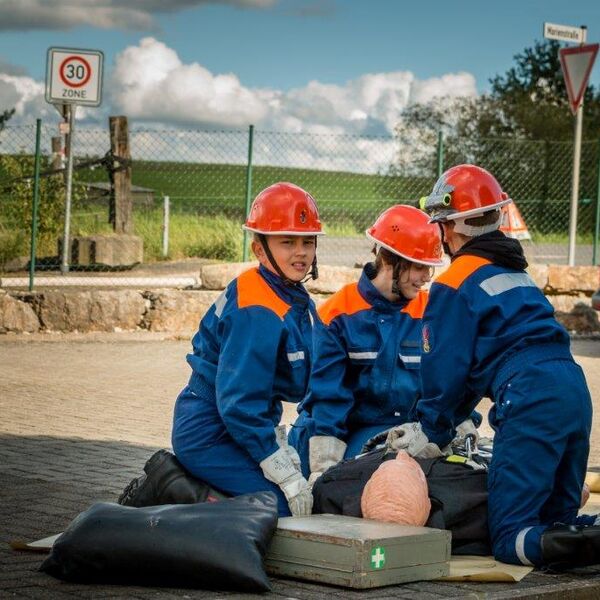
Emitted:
<point x="542" y="417"/>
<point x="218" y="461"/>
<point x="303" y="430"/>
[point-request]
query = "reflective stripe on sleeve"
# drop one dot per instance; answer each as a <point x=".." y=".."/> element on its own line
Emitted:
<point x="504" y="282"/>
<point x="362" y="355"/>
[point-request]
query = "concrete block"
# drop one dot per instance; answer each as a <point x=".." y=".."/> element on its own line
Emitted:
<point x="217" y="276"/>
<point x="563" y="278"/>
<point x="16" y="316"/>
<point x="96" y="310"/>
<point x="177" y="311"/>
<point x="120" y="250"/>
<point x="331" y="279"/>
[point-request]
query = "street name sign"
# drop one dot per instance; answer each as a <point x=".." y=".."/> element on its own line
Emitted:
<point x="74" y="76"/>
<point x="577" y="63"/>
<point x="565" y="33"/>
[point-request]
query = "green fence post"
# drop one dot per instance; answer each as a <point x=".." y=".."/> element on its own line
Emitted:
<point x="597" y="227"/>
<point x="248" y="189"/>
<point x="34" y="207"/>
<point x="440" y="154"/>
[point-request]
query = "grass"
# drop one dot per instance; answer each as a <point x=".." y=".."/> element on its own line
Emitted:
<point x="208" y="204"/>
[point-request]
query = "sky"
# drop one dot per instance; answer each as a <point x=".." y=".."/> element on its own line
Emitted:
<point x="313" y="66"/>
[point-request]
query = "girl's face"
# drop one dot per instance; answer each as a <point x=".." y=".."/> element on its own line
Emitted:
<point x="294" y="254"/>
<point x="413" y="278"/>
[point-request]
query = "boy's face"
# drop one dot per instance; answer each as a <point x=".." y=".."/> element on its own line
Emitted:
<point x="294" y="254"/>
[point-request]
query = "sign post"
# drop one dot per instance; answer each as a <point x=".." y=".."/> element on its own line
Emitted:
<point x="73" y="76"/>
<point x="576" y="65"/>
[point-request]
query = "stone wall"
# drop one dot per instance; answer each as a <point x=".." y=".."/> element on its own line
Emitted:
<point x="179" y="311"/>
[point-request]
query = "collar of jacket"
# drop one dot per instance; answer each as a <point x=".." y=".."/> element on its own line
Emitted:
<point x="292" y="294"/>
<point x="373" y="296"/>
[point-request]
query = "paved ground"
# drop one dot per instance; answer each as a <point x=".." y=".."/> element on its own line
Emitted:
<point x="79" y="415"/>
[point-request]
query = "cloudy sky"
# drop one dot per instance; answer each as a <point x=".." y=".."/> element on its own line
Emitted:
<point x="312" y="66"/>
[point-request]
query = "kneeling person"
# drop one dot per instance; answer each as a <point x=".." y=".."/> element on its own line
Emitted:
<point x="252" y="351"/>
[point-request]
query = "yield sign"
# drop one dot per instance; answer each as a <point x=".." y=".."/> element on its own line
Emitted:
<point x="577" y="65"/>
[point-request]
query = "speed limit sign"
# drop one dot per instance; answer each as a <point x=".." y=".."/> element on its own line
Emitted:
<point x="74" y="76"/>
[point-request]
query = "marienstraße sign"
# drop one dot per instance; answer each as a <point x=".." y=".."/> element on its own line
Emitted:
<point x="565" y="33"/>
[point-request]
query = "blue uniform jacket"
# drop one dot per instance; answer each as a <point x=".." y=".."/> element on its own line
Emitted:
<point x="479" y="318"/>
<point x="252" y="351"/>
<point x="366" y="361"/>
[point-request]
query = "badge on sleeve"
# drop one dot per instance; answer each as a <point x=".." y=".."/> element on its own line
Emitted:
<point x="426" y="334"/>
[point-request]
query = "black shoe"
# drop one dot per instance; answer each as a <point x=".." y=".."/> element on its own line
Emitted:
<point x="571" y="546"/>
<point x="166" y="482"/>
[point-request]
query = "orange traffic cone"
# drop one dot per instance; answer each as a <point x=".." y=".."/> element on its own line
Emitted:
<point x="513" y="224"/>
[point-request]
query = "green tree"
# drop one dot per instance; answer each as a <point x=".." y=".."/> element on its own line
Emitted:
<point x="5" y="116"/>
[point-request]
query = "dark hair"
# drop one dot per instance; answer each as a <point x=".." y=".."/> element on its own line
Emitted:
<point x="384" y="256"/>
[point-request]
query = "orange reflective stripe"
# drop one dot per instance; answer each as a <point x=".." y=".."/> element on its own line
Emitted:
<point x="416" y="307"/>
<point x="346" y="301"/>
<point x="253" y="290"/>
<point x="460" y="269"/>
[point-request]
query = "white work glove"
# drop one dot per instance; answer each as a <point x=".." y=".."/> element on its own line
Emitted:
<point x="324" y="451"/>
<point x="280" y="469"/>
<point x="410" y="438"/>
<point x="467" y="427"/>
<point x="282" y="440"/>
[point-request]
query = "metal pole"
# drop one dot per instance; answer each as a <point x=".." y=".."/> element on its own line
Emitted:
<point x="36" y="197"/>
<point x="597" y="226"/>
<point x="248" y="189"/>
<point x="165" y="231"/>
<point x="575" y="186"/>
<point x="64" y="265"/>
<point x="440" y="153"/>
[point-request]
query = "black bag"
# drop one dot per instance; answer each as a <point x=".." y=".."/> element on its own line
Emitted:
<point x="218" y="545"/>
<point x="458" y="495"/>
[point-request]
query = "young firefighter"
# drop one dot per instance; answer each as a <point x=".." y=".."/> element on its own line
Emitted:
<point x="365" y="375"/>
<point x="489" y="331"/>
<point x="252" y="351"/>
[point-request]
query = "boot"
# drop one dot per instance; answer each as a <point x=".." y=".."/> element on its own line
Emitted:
<point x="571" y="546"/>
<point x="166" y="482"/>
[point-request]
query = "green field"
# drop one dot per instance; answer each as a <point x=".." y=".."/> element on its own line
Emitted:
<point x="208" y="204"/>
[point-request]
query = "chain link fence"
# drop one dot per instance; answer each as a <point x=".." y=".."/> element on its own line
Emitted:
<point x="208" y="177"/>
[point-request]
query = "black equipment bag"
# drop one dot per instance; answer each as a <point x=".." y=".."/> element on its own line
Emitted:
<point x="210" y="545"/>
<point x="458" y="495"/>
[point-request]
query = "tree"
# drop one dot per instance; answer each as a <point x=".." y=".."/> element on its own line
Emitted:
<point x="522" y="131"/>
<point x="5" y="116"/>
<point x="529" y="102"/>
<point x="531" y="97"/>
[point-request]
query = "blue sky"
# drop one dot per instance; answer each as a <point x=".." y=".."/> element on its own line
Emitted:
<point x="387" y="52"/>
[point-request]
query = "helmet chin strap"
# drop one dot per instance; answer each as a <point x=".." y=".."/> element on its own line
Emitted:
<point x="313" y="273"/>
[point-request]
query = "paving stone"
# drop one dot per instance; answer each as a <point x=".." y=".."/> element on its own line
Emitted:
<point x="81" y="417"/>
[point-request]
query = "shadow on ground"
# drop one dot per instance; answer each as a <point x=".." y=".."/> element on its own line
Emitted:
<point x="46" y="481"/>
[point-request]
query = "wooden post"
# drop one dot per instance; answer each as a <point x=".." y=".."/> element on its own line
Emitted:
<point x="57" y="156"/>
<point x="120" y="210"/>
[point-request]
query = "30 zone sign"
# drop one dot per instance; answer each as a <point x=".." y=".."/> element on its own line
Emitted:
<point x="74" y="76"/>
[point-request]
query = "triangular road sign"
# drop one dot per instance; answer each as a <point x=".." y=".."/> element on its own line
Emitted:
<point x="513" y="224"/>
<point x="577" y="65"/>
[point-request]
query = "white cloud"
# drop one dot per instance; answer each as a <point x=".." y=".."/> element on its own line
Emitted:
<point x="24" y="15"/>
<point x="151" y="85"/>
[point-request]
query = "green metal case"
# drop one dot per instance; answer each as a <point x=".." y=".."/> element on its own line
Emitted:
<point x="357" y="553"/>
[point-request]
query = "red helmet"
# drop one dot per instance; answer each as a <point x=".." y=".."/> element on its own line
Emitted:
<point x="464" y="191"/>
<point x="284" y="209"/>
<point x="407" y="232"/>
